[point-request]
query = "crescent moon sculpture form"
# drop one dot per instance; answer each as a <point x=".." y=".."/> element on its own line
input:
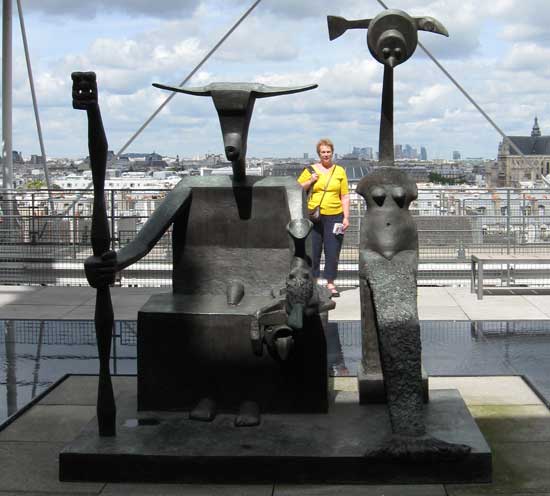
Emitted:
<point x="388" y="259"/>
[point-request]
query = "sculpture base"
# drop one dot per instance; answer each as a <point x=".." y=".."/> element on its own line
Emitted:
<point x="291" y="448"/>
<point x="371" y="386"/>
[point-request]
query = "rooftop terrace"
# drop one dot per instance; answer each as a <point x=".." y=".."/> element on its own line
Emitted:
<point x="495" y="351"/>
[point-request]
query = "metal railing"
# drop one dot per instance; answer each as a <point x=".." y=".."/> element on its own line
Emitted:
<point x="38" y="246"/>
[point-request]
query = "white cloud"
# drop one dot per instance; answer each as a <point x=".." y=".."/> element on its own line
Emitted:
<point x="496" y="51"/>
<point x="158" y="8"/>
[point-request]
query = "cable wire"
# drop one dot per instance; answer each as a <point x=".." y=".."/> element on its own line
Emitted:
<point x="189" y="76"/>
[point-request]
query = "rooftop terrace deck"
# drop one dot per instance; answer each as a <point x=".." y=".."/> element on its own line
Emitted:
<point x="434" y="303"/>
<point x="489" y="373"/>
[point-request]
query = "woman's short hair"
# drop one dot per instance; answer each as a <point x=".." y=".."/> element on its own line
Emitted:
<point x="325" y="142"/>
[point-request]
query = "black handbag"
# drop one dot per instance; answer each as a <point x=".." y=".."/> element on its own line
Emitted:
<point x="314" y="213"/>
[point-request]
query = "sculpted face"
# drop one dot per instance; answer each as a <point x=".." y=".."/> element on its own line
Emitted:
<point x="84" y="89"/>
<point x="388" y="227"/>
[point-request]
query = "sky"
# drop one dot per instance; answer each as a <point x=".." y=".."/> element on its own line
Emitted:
<point x="499" y="51"/>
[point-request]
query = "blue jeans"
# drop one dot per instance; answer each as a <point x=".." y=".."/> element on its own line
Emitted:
<point x="323" y="237"/>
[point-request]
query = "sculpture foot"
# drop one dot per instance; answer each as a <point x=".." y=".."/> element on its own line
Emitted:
<point x="249" y="415"/>
<point x="418" y="449"/>
<point x="205" y="411"/>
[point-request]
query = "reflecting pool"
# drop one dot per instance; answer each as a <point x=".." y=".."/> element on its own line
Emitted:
<point x="36" y="353"/>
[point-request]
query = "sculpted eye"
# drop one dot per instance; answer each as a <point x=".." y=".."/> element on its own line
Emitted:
<point x="378" y="195"/>
<point x="399" y="196"/>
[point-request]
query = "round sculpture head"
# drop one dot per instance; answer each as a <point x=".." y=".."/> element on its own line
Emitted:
<point x="392" y="37"/>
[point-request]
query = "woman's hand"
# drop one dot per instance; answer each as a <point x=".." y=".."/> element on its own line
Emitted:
<point x="345" y="223"/>
<point x="313" y="179"/>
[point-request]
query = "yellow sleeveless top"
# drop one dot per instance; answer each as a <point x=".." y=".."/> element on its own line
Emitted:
<point x="338" y="186"/>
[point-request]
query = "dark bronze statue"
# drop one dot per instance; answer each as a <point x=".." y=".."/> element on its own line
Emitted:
<point x="234" y="103"/>
<point x="85" y="97"/>
<point x="388" y="257"/>
<point x="392" y="38"/>
<point x="242" y="329"/>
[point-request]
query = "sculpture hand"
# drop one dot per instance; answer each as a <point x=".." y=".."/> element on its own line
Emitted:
<point x="100" y="271"/>
<point x="84" y="90"/>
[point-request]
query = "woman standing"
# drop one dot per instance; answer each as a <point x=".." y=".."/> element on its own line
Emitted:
<point x="330" y="192"/>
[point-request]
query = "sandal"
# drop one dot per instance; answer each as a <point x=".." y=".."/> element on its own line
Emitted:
<point x="334" y="293"/>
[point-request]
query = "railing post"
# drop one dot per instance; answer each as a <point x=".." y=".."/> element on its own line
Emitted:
<point x="113" y="234"/>
<point x="508" y="220"/>
<point x="75" y="231"/>
<point x="33" y="216"/>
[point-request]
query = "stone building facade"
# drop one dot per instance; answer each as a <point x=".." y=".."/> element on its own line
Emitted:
<point x="511" y="168"/>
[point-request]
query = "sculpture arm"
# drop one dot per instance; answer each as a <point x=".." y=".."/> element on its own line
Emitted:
<point x="159" y="222"/>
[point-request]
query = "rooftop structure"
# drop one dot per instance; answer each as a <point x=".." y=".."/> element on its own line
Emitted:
<point x="511" y="169"/>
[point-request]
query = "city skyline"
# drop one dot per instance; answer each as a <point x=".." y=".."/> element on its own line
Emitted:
<point x="494" y="51"/>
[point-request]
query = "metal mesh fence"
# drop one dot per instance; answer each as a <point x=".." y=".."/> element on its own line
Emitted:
<point x="41" y="245"/>
<point x="63" y="332"/>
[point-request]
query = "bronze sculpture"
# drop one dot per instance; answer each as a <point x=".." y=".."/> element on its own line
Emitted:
<point x="85" y="97"/>
<point x="221" y="247"/>
<point x="243" y="329"/>
<point x="388" y="257"/>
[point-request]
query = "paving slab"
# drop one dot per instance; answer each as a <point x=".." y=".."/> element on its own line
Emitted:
<point x="30" y="466"/>
<point x="440" y="312"/>
<point x="428" y="295"/>
<point x="49" y="423"/>
<point x="517" y="468"/>
<point x="56" y="295"/>
<point x="489" y="390"/>
<point x="35" y="311"/>
<point x="343" y="384"/>
<point x="541" y="302"/>
<point x="508" y="307"/>
<point x="513" y="423"/>
<point x="40" y="493"/>
<point x="359" y="490"/>
<point x="15" y="294"/>
<point x="112" y="489"/>
<point x="434" y="303"/>
<point x="347" y="306"/>
<point x="82" y="390"/>
<point x="127" y="299"/>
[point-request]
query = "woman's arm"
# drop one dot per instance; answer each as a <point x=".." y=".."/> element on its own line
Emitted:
<point x="345" y="205"/>
<point x="309" y="182"/>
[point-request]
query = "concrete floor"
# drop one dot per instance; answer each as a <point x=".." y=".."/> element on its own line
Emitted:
<point x="434" y="303"/>
<point x="512" y="418"/>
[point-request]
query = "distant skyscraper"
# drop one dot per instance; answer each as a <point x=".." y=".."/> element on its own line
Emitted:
<point x="456" y="155"/>
<point x="306" y="155"/>
<point x="398" y="151"/>
<point x="409" y="152"/>
<point x="368" y="152"/>
<point x="364" y="153"/>
<point x="423" y="153"/>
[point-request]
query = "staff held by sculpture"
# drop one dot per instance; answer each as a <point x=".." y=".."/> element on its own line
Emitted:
<point x="85" y="97"/>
